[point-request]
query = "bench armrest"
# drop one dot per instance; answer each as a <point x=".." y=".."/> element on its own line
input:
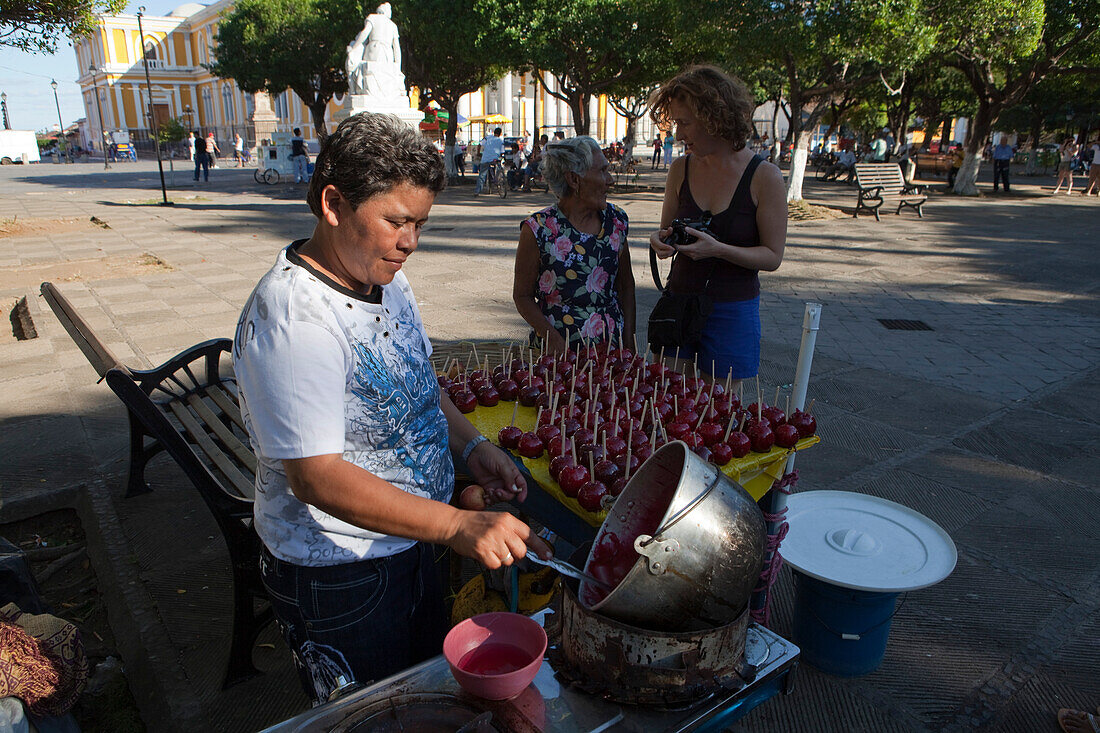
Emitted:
<point x="210" y="352"/>
<point x="913" y="188"/>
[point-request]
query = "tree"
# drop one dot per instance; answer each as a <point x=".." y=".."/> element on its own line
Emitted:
<point x="453" y="47"/>
<point x="36" y="25"/>
<point x="1003" y="48"/>
<point x="273" y="45"/>
<point x="594" y="47"/>
<point x="825" y="49"/>
<point x="632" y="103"/>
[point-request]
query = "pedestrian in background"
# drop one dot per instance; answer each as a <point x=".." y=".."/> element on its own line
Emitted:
<point x="1066" y="153"/>
<point x="299" y="157"/>
<point x="656" y="159"/>
<point x="202" y="158"/>
<point x="212" y="150"/>
<point x="1094" y="170"/>
<point x="191" y="146"/>
<point x="1002" y="157"/>
<point x="669" y="142"/>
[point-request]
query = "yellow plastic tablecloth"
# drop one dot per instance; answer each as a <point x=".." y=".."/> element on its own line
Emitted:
<point x="756" y="471"/>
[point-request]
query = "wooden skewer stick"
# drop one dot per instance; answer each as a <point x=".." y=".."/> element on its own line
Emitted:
<point x="729" y="378"/>
<point x="741" y="425"/>
<point x="563" y="438"/>
<point x="538" y="417"/>
<point x="702" y="417"/>
<point x="776" y="400"/>
<point x="729" y="426"/>
<point x="515" y="409"/>
<point x="591" y="467"/>
<point x="810" y="409"/>
<point x="473" y="352"/>
<point x="759" y="416"/>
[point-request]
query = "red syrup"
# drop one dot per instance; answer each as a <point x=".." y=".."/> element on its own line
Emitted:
<point x="494" y="658"/>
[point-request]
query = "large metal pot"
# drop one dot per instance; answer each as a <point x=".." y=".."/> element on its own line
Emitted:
<point x="700" y="539"/>
<point x="639" y="666"/>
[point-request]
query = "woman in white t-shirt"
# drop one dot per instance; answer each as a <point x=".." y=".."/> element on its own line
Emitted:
<point x="353" y="437"/>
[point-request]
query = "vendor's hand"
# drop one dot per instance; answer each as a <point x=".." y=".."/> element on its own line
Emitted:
<point x="555" y="342"/>
<point x="656" y="241"/>
<point x="492" y="468"/>
<point x="495" y="538"/>
<point x="704" y="246"/>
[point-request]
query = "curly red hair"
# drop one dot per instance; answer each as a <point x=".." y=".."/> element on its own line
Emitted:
<point x="722" y="102"/>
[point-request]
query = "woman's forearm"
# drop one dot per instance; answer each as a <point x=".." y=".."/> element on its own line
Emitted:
<point x="529" y="310"/>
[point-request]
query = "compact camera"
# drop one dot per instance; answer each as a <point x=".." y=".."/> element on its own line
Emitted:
<point x="679" y="235"/>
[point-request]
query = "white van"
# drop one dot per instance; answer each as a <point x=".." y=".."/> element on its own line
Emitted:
<point x="14" y="144"/>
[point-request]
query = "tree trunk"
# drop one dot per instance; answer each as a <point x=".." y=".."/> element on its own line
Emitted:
<point x="578" y="105"/>
<point x="777" y="148"/>
<point x="1032" y="167"/>
<point x="631" y="128"/>
<point x="450" y="138"/>
<point x="317" y="113"/>
<point x="966" y="182"/>
<point x="945" y="135"/>
<point x="798" y="163"/>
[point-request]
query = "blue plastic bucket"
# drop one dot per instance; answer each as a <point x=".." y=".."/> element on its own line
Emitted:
<point x="841" y="631"/>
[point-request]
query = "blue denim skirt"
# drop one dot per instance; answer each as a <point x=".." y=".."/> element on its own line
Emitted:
<point x="730" y="340"/>
<point x="362" y="621"/>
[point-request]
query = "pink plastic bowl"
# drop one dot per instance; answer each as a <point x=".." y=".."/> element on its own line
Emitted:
<point x="485" y="629"/>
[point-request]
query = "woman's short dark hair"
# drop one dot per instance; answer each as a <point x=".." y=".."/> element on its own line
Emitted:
<point x="369" y="154"/>
<point x="722" y="102"/>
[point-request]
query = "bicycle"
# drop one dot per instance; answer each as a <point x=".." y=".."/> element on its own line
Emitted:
<point x="496" y="178"/>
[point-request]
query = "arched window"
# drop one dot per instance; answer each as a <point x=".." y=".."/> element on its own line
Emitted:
<point x="150" y="51"/>
<point x="227" y="104"/>
<point x="281" y="109"/>
<point x="208" y="107"/>
<point x="249" y="105"/>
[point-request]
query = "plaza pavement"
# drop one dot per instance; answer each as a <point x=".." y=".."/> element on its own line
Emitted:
<point x="987" y="423"/>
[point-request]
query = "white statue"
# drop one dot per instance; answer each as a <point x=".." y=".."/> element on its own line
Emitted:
<point x="374" y="58"/>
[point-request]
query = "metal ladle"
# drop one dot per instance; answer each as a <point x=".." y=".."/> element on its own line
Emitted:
<point x="566" y="569"/>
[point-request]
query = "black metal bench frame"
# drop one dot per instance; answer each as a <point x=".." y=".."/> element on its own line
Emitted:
<point x="880" y="181"/>
<point x="189" y="407"/>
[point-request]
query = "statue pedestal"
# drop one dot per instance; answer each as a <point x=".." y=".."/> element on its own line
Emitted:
<point x="396" y="106"/>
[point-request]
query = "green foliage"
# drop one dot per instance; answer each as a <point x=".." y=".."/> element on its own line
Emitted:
<point x="272" y="45"/>
<point x="36" y="25"/>
<point x="454" y="47"/>
<point x="172" y="131"/>
<point x="619" y="48"/>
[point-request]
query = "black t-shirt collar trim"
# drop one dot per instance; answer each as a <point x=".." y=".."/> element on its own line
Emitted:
<point x="292" y="256"/>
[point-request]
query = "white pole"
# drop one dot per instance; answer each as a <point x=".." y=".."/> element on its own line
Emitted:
<point x="811" y="320"/>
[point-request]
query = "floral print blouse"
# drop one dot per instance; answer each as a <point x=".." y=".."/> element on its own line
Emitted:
<point x="577" y="273"/>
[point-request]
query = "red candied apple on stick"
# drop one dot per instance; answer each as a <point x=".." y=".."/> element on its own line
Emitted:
<point x="573" y="478"/>
<point x="786" y="435"/>
<point x="509" y="435"/>
<point x="739" y="443"/>
<point x="804" y="421"/>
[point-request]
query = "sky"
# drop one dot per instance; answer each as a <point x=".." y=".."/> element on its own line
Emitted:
<point x="25" y="78"/>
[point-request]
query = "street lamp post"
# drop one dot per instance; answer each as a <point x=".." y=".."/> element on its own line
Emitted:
<point x="60" y="125"/>
<point x="99" y="113"/>
<point x="4" y="106"/>
<point x="152" y="119"/>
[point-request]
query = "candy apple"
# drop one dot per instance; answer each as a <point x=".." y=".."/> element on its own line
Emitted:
<point x="559" y="445"/>
<point x="572" y="425"/>
<point x="694" y="441"/>
<point x="786" y="435"/>
<point x="720" y="454"/>
<point x="616" y="487"/>
<point x="677" y="430"/>
<point x="607" y="471"/>
<point x="529" y="396"/>
<point x="702" y="451"/>
<point x="642" y="452"/>
<point x="464" y="400"/>
<point x="739" y="444"/>
<point x="774" y="416"/>
<point x="509" y="436"/>
<point x="547" y="433"/>
<point x="530" y="446"/>
<point x="711" y="433"/>
<point x="508" y="390"/>
<point x="615" y="445"/>
<point x="590" y="496"/>
<point x="572" y="478"/>
<point x="487" y="396"/>
<point x="620" y="461"/>
<point x="805" y="423"/>
<point x="760" y="435"/>
<point x="583" y="436"/>
<point x="558" y="464"/>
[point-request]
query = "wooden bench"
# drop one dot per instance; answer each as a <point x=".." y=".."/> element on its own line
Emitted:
<point x="879" y="182"/>
<point x="935" y="163"/>
<point x="188" y="406"/>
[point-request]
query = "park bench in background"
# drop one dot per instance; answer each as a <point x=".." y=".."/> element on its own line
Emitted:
<point x="188" y="407"/>
<point x="881" y="182"/>
<point x="936" y="163"/>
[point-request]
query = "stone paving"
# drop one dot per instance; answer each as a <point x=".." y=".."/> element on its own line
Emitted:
<point x="987" y="423"/>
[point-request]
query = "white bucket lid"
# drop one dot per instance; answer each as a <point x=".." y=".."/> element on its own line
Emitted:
<point x="865" y="543"/>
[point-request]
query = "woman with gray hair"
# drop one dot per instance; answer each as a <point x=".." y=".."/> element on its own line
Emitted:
<point x="573" y="279"/>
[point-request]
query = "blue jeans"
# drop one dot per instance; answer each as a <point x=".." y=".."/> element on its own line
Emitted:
<point x="483" y="171"/>
<point x="202" y="160"/>
<point x="730" y="340"/>
<point x="362" y="620"/>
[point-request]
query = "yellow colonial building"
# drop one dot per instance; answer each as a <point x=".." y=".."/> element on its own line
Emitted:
<point x="179" y="44"/>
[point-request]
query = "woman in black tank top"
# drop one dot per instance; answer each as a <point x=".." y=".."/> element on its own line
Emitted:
<point x="746" y="197"/>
